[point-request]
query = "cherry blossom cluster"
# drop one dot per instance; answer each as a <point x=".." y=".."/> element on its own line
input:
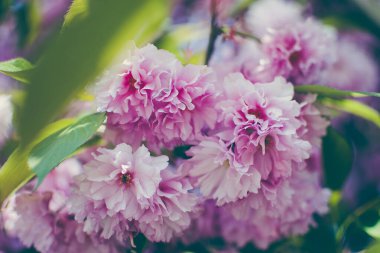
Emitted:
<point x="196" y="152"/>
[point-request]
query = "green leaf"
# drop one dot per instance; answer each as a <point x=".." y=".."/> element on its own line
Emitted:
<point x="332" y="92"/>
<point x="84" y="48"/>
<point x="47" y="154"/>
<point x="371" y="8"/>
<point x="78" y="9"/>
<point x="373" y="248"/>
<point x="337" y="159"/>
<point x="17" y="68"/>
<point x="374" y="231"/>
<point x="354" y="107"/>
<point x="322" y="232"/>
<point x="15" y="172"/>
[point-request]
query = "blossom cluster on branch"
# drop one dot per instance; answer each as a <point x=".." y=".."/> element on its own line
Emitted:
<point x="196" y="152"/>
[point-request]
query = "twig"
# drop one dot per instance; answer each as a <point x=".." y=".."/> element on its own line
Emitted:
<point x="231" y="32"/>
<point x="215" y="31"/>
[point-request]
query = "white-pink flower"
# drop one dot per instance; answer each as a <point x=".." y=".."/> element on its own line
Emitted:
<point x="40" y="219"/>
<point x="265" y="15"/>
<point x="36" y="224"/>
<point x="29" y="211"/>
<point x="128" y="90"/>
<point x="355" y="68"/>
<point x="170" y="210"/>
<point x="188" y="108"/>
<point x="313" y="126"/>
<point x="116" y="188"/>
<point x="216" y="172"/>
<point x="302" y="53"/>
<point x="277" y="211"/>
<point x="260" y="123"/>
<point x="164" y="103"/>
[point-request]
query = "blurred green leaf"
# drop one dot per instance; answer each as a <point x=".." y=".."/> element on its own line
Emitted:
<point x="356" y="239"/>
<point x="15" y="172"/>
<point x="17" y="68"/>
<point x="322" y="232"/>
<point x="332" y="92"/>
<point x="47" y="154"/>
<point x="371" y="7"/>
<point x="78" y="9"/>
<point x="4" y="6"/>
<point x="373" y="248"/>
<point x="337" y="159"/>
<point x="370" y="219"/>
<point x="374" y="231"/>
<point x="354" y="107"/>
<point x="81" y="52"/>
<point x="28" y="20"/>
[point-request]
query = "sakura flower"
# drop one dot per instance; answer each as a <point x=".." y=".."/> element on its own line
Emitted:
<point x="188" y="108"/>
<point x="204" y="224"/>
<point x="116" y="188"/>
<point x="302" y="53"/>
<point x="46" y="210"/>
<point x="171" y="208"/>
<point x="313" y="124"/>
<point x="6" y="113"/>
<point x="217" y="173"/>
<point x="354" y="69"/>
<point x="128" y="92"/>
<point x="161" y="101"/>
<point x="241" y="232"/>
<point x="57" y="231"/>
<point x="59" y="181"/>
<point x="265" y="15"/>
<point x="277" y="211"/>
<point x="31" y="211"/>
<point x="261" y="123"/>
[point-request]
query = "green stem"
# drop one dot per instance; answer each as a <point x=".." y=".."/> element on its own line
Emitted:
<point x="353" y="217"/>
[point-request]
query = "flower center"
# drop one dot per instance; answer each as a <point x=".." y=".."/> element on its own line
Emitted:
<point x="126" y="179"/>
<point x="129" y="81"/>
<point x="294" y="58"/>
<point x="258" y="112"/>
<point x="268" y="141"/>
<point x="126" y="176"/>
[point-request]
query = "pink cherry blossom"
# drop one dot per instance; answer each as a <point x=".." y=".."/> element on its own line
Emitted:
<point x="355" y="68"/>
<point x="261" y="123"/>
<point x="302" y="53"/>
<point x="116" y="188"/>
<point x="153" y="98"/>
<point x="277" y="211"/>
<point x="313" y="124"/>
<point x="265" y="15"/>
<point x="217" y="173"/>
<point x="170" y="212"/>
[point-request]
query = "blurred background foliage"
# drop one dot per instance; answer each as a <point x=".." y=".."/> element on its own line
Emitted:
<point x="63" y="56"/>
